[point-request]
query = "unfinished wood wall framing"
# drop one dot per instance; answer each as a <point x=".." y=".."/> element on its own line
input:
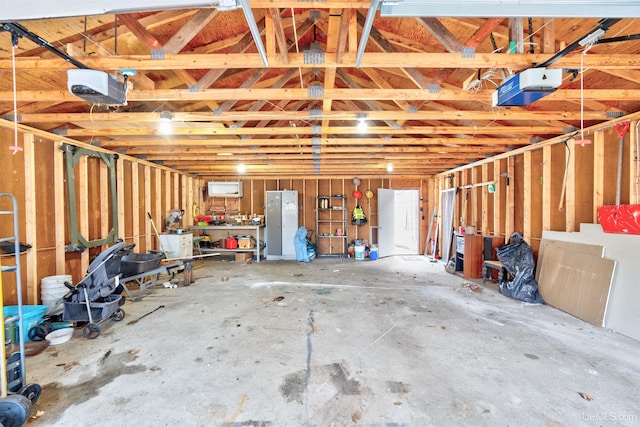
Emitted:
<point x="554" y="185"/>
<point x="36" y="178"/>
<point x="253" y="201"/>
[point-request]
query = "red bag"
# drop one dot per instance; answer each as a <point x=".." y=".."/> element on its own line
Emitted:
<point x="620" y="219"/>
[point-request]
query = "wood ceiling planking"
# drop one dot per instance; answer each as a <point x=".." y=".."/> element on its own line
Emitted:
<point x="252" y="111"/>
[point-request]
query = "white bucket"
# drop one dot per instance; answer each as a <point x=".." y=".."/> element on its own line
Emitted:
<point x="359" y="252"/>
<point x="52" y="288"/>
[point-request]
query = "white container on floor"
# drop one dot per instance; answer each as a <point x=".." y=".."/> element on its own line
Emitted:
<point x="52" y="288"/>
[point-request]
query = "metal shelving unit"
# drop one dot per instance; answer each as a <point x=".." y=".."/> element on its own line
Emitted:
<point x="331" y="226"/>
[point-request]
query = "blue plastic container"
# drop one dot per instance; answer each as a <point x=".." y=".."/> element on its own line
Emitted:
<point x="31" y="316"/>
<point x="373" y="254"/>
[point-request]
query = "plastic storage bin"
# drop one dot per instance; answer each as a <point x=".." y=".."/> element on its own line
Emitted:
<point x="31" y="316"/>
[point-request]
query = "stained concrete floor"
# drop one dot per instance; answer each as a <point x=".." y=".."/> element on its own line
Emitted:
<point x="338" y="342"/>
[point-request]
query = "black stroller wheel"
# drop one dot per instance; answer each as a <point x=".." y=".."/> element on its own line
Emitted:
<point x="91" y="331"/>
<point x="31" y="392"/>
<point x="14" y="410"/>
<point x="118" y="315"/>
<point x="38" y="333"/>
<point x="48" y="326"/>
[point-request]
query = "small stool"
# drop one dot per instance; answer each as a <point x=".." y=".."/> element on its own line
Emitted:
<point x="488" y="266"/>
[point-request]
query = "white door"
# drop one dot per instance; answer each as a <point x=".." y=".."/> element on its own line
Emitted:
<point x="386" y="219"/>
<point x="398" y="222"/>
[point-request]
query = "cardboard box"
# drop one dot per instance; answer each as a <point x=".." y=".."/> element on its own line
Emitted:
<point x="245" y="243"/>
<point x="244" y="256"/>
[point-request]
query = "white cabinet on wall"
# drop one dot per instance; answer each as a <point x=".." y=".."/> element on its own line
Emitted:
<point x="225" y="188"/>
<point x="177" y="245"/>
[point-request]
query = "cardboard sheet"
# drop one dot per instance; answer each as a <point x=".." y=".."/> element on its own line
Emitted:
<point x="576" y="282"/>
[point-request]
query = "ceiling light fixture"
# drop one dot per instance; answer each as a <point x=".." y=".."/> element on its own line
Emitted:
<point x="362" y="122"/>
<point x="389" y="167"/>
<point x="165" y="127"/>
<point x="241" y="168"/>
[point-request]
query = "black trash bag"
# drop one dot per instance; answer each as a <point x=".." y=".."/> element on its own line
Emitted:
<point x="517" y="259"/>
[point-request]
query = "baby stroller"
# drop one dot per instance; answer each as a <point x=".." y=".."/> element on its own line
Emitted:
<point x="93" y="299"/>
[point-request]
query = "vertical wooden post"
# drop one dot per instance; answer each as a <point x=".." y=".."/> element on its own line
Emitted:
<point x="188" y="221"/>
<point x="546" y="188"/>
<point x="30" y="220"/>
<point x="464" y="193"/>
<point x="548" y="41"/>
<point x="157" y="205"/>
<point x="510" y="217"/>
<point x="485" y="199"/>
<point x="135" y="203"/>
<point x="270" y="36"/>
<point x="175" y="203"/>
<point x="570" y="192"/>
<point x="83" y="206"/>
<point x="170" y="190"/>
<point x="147" y="207"/>
<point x="104" y="200"/>
<point x="516" y="33"/>
<point x="59" y="206"/>
<point x="474" y="198"/>
<point x="633" y="164"/>
<point x="120" y="197"/>
<point x="184" y="200"/>
<point x="497" y="197"/>
<point x="528" y="188"/>
<point x="598" y="173"/>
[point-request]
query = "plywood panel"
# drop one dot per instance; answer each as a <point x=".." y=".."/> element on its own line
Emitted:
<point x="622" y="315"/>
<point x="594" y="250"/>
<point x="577" y="283"/>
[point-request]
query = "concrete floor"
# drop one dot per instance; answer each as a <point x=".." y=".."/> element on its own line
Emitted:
<point x="338" y="342"/>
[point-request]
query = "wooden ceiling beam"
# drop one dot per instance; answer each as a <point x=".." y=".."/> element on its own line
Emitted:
<point x="335" y="130"/>
<point x="184" y="95"/>
<point x="436" y="151"/>
<point x="285" y="142"/>
<point x="441" y="33"/>
<point x="408" y="159"/>
<point x="281" y="38"/>
<point x="296" y="60"/>
<point x="188" y="31"/>
<point x="254" y="113"/>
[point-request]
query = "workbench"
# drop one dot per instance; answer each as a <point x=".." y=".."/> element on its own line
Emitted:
<point x="217" y="232"/>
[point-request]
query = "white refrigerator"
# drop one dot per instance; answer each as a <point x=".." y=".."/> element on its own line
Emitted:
<point x="281" y="221"/>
